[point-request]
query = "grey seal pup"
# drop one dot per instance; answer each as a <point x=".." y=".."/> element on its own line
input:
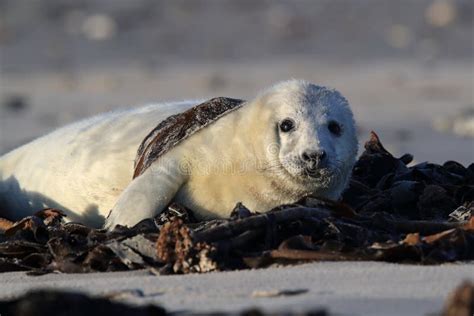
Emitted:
<point x="293" y="139"/>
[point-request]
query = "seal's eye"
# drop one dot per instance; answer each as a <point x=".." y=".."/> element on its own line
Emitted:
<point x="335" y="128"/>
<point x="287" y="125"/>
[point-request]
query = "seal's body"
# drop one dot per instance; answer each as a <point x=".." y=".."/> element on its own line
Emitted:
<point x="81" y="168"/>
<point x="292" y="140"/>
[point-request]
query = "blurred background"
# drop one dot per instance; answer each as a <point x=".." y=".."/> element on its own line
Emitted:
<point x="405" y="66"/>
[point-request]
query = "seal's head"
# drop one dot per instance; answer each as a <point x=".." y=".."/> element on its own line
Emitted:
<point x="314" y="137"/>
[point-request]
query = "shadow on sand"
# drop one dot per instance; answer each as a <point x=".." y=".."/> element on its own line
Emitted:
<point x="27" y="202"/>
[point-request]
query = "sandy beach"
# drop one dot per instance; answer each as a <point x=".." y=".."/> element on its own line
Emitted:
<point x="341" y="288"/>
<point x="402" y="66"/>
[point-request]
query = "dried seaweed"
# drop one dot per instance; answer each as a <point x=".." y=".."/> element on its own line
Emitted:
<point x="461" y="301"/>
<point x="52" y="303"/>
<point x="61" y="303"/>
<point x="391" y="211"/>
<point x="176" y="128"/>
<point x="176" y="245"/>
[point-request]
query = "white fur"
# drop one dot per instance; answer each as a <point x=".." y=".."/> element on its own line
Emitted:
<point x="86" y="168"/>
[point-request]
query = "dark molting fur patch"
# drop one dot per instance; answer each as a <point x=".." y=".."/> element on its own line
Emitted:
<point x="178" y="127"/>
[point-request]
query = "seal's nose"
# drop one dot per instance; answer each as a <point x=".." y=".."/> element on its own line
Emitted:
<point x="313" y="158"/>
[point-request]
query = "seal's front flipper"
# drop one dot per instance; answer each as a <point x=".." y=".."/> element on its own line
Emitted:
<point x="147" y="195"/>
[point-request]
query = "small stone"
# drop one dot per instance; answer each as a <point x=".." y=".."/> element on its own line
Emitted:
<point x="15" y="103"/>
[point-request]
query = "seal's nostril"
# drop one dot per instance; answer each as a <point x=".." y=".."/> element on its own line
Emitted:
<point x="317" y="155"/>
<point x="306" y="157"/>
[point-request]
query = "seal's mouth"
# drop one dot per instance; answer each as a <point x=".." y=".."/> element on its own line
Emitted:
<point x="319" y="175"/>
<point x="324" y="176"/>
<point x="312" y="172"/>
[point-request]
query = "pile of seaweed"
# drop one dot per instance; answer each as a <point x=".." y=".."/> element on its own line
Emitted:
<point x="391" y="212"/>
